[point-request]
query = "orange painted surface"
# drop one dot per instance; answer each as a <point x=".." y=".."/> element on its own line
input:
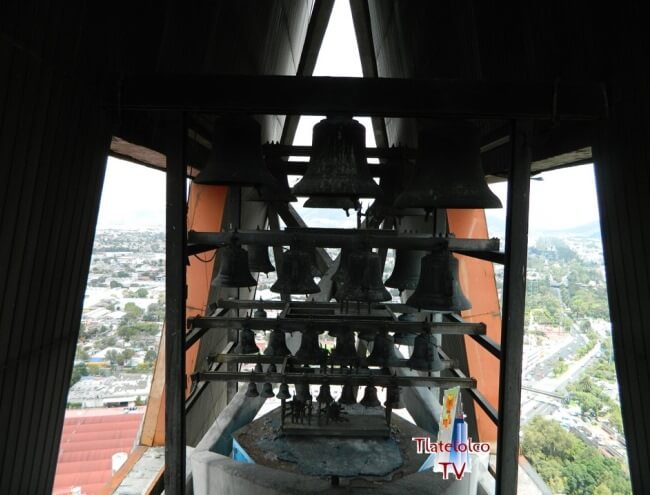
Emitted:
<point x="479" y="285"/>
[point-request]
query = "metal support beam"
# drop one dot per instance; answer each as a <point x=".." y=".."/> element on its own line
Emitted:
<point x="175" y="309"/>
<point x="374" y="97"/>
<point x="514" y="300"/>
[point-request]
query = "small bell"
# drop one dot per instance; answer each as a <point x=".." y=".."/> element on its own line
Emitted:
<point x="283" y="392"/>
<point x="347" y="395"/>
<point x="438" y="288"/>
<point x="383" y="351"/>
<point x="309" y="347"/>
<point x="370" y="397"/>
<point x="425" y="355"/>
<point x="302" y="392"/>
<point x="258" y="259"/>
<point x="294" y="274"/>
<point x="252" y="390"/>
<point x="394" y="397"/>
<point x="272" y="368"/>
<point x="233" y="268"/>
<point x="247" y="343"/>
<point x="324" y="395"/>
<point x="259" y="313"/>
<point x="267" y="391"/>
<point x="258" y="368"/>
<point x="345" y="345"/>
<point x="367" y="334"/>
<point x="406" y="272"/>
<point x="277" y="345"/>
<point x="236" y="156"/>
<point x="405" y="338"/>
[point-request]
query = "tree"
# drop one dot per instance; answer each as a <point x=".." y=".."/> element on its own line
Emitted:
<point x="150" y="356"/>
<point x="115" y="284"/>
<point x="112" y="356"/>
<point x="126" y="356"/>
<point x="78" y="371"/>
<point x="133" y="312"/>
<point x="142" y="293"/>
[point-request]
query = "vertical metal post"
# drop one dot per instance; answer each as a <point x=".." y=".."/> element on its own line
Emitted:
<point x="175" y="308"/>
<point x="514" y="299"/>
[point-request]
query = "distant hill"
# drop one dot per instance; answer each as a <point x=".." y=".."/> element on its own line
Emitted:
<point x="591" y="230"/>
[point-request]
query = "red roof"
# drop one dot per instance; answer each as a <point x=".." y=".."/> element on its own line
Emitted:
<point x="90" y="439"/>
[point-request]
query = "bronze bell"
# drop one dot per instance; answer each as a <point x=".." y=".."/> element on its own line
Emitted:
<point x="405" y="338"/>
<point x="345" y="344"/>
<point x="283" y="392"/>
<point x="383" y="351"/>
<point x="236" y="156"/>
<point x="406" y="272"/>
<point x="438" y="288"/>
<point x="294" y="274"/>
<point x="347" y="395"/>
<point x="277" y="345"/>
<point x="258" y="259"/>
<point x="324" y="394"/>
<point x="367" y="334"/>
<point x="259" y="313"/>
<point x="303" y="393"/>
<point x="252" y="390"/>
<point x="448" y="171"/>
<point x="425" y="355"/>
<point x="340" y="276"/>
<point x="394" y="397"/>
<point x="233" y="268"/>
<point x="278" y="192"/>
<point x="364" y="281"/>
<point x="309" y="347"/>
<point x="338" y="165"/>
<point x="370" y="397"/>
<point x="267" y="391"/>
<point x="258" y="368"/>
<point x="247" y="343"/>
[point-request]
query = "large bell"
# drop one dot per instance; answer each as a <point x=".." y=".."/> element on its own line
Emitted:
<point x="277" y="345"/>
<point x="383" y="351"/>
<point x="340" y="276"/>
<point x="303" y="393"/>
<point x="364" y="282"/>
<point x="277" y="192"/>
<point x="347" y="395"/>
<point x="406" y="272"/>
<point x="283" y="392"/>
<point x="252" y="390"/>
<point x="236" y="156"/>
<point x="324" y="394"/>
<point x="247" y="343"/>
<point x="338" y="165"/>
<point x="438" y="288"/>
<point x="267" y="391"/>
<point x="448" y="171"/>
<point x="309" y="347"/>
<point x="425" y="355"/>
<point x="233" y="268"/>
<point x="370" y="397"/>
<point x="394" y="397"/>
<point x="258" y="259"/>
<point x="294" y="274"/>
<point x="345" y="344"/>
<point x="405" y="338"/>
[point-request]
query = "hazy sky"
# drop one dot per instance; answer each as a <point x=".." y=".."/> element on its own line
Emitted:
<point x="134" y="196"/>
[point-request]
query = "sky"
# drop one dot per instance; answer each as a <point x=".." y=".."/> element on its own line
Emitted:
<point x="134" y="196"/>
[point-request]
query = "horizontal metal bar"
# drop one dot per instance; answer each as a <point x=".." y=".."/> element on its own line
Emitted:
<point x="337" y="379"/>
<point x="375" y="97"/>
<point x="280" y="305"/>
<point x="493" y="256"/>
<point x="320" y="324"/>
<point x="196" y="333"/>
<point x="339" y="238"/>
<point x="200" y="387"/>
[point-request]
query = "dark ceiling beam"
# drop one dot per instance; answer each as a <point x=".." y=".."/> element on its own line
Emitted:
<point x="320" y="17"/>
<point x="381" y="97"/>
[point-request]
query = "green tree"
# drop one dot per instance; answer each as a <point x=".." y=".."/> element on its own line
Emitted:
<point x="115" y="284"/>
<point x="78" y="371"/>
<point x="112" y="356"/>
<point x="142" y="293"/>
<point x="133" y="312"/>
<point x="150" y="356"/>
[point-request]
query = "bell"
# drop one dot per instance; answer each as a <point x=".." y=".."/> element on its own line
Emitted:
<point x="448" y="171"/>
<point x="406" y="272"/>
<point x="233" y="268"/>
<point x="425" y="355"/>
<point x="324" y="395"/>
<point x="370" y="397"/>
<point x="332" y="202"/>
<point x="367" y="334"/>
<point x="340" y="276"/>
<point x="277" y="345"/>
<point x="283" y="392"/>
<point x="267" y="391"/>
<point x="258" y="259"/>
<point x="252" y="390"/>
<point x="309" y="347"/>
<point x="258" y="368"/>
<point x="438" y="288"/>
<point x="259" y="313"/>
<point x="247" y="343"/>
<point x="272" y="368"/>
<point x="364" y="279"/>
<point x="294" y="274"/>
<point x="278" y="191"/>
<point x="394" y="397"/>
<point x="405" y="338"/>
<point x="338" y="165"/>
<point x="302" y="392"/>
<point x="383" y="351"/>
<point x="345" y="345"/>
<point x="236" y="156"/>
<point x="347" y="395"/>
